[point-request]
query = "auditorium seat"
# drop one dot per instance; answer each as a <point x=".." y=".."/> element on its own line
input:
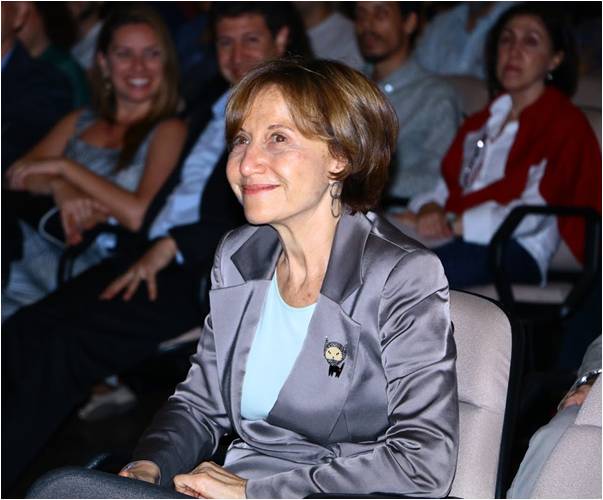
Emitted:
<point x="588" y="93"/>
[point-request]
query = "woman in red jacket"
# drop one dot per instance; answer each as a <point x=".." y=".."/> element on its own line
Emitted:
<point x="531" y="145"/>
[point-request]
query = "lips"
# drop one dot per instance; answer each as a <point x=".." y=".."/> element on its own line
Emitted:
<point x="139" y="82"/>
<point x="252" y="189"/>
<point x="369" y="39"/>
<point x="511" y="68"/>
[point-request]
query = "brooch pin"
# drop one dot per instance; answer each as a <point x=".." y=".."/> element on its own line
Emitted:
<point x="335" y="354"/>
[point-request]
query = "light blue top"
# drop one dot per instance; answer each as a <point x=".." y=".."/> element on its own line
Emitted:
<point x="277" y="343"/>
<point x="182" y="206"/>
<point x="446" y="48"/>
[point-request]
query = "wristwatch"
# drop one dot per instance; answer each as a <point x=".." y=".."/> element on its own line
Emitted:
<point x="587" y="378"/>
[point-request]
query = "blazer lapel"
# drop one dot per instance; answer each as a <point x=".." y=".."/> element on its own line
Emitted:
<point x="236" y="311"/>
<point x="311" y="400"/>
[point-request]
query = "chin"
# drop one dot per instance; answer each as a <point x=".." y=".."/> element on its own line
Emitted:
<point x="258" y="217"/>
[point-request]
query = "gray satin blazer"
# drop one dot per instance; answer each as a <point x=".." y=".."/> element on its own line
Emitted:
<point x="389" y="423"/>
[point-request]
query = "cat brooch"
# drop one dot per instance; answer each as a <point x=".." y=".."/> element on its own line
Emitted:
<point x="335" y="354"/>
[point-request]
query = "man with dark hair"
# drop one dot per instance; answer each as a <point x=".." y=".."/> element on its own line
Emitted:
<point x="427" y="108"/>
<point x="34" y="95"/>
<point x="37" y="33"/>
<point x="55" y="350"/>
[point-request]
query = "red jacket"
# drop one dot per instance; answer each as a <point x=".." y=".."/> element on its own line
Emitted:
<point x="551" y="128"/>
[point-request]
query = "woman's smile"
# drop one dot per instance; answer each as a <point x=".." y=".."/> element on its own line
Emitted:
<point x="251" y="189"/>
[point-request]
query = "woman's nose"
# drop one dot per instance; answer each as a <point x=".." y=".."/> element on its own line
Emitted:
<point x="138" y="62"/>
<point x="253" y="160"/>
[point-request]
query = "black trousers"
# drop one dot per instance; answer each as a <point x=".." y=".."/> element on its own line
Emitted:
<point x="54" y="350"/>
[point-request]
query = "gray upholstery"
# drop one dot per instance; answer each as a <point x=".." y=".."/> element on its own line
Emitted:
<point x="554" y="292"/>
<point x="588" y="92"/>
<point x="483" y="337"/>
<point x="472" y="92"/>
<point x="573" y="470"/>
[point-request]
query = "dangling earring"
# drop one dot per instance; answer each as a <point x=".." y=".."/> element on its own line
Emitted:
<point x="335" y="192"/>
<point x="549" y="76"/>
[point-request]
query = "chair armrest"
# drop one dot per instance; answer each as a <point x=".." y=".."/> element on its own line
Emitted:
<point x="71" y="253"/>
<point x="592" y="255"/>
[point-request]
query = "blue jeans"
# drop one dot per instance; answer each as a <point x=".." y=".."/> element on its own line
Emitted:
<point x="467" y="264"/>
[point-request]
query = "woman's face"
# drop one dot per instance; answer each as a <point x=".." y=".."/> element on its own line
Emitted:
<point x="525" y="54"/>
<point x="280" y="176"/>
<point x="134" y="62"/>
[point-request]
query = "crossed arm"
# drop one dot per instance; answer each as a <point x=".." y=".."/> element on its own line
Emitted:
<point x="86" y="198"/>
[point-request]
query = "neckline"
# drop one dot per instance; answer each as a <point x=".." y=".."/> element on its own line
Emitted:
<point x="282" y="300"/>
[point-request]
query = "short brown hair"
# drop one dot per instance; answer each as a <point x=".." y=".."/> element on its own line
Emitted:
<point x="334" y="103"/>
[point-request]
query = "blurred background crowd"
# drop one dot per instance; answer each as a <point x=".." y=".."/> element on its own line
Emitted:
<point x="114" y="197"/>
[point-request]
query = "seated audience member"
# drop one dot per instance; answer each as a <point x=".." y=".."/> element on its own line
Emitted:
<point x="544" y="441"/>
<point x="331" y="34"/>
<point x="105" y="161"/>
<point x="453" y="42"/>
<point x="34" y="97"/>
<point x="531" y="145"/>
<point x="331" y="387"/>
<point x="427" y="108"/>
<point x="42" y="21"/>
<point x="54" y="351"/>
<point x="88" y="19"/>
<point x="34" y="94"/>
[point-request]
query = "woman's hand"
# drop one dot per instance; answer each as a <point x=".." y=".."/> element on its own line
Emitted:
<point x="432" y="223"/>
<point x="18" y="173"/>
<point x="143" y="470"/>
<point x="145" y="269"/>
<point x="575" y="397"/>
<point x="79" y="212"/>
<point x="209" y="480"/>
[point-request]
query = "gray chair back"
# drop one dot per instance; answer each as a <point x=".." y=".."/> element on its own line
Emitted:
<point x="573" y="470"/>
<point x="485" y="360"/>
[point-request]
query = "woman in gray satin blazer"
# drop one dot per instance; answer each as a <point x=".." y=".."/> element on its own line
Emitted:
<point x="370" y="404"/>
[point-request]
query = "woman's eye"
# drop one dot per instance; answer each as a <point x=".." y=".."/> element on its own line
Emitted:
<point x="239" y="140"/>
<point x="122" y="54"/>
<point x="278" y="138"/>
<point x="153" y="54"/>
<point x="504" y="39"/>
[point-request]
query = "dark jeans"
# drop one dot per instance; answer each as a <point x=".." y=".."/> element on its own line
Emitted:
<point x="55" y="350"/>
<point x="74" y="482"/>
<point x="467" y="264"/>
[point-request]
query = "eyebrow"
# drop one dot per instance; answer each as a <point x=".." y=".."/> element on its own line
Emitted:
<point x="279" y="125"/>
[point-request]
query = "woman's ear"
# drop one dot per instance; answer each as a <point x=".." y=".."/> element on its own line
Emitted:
<point x="337" y="166"/>
<point x="103" y="64"/>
